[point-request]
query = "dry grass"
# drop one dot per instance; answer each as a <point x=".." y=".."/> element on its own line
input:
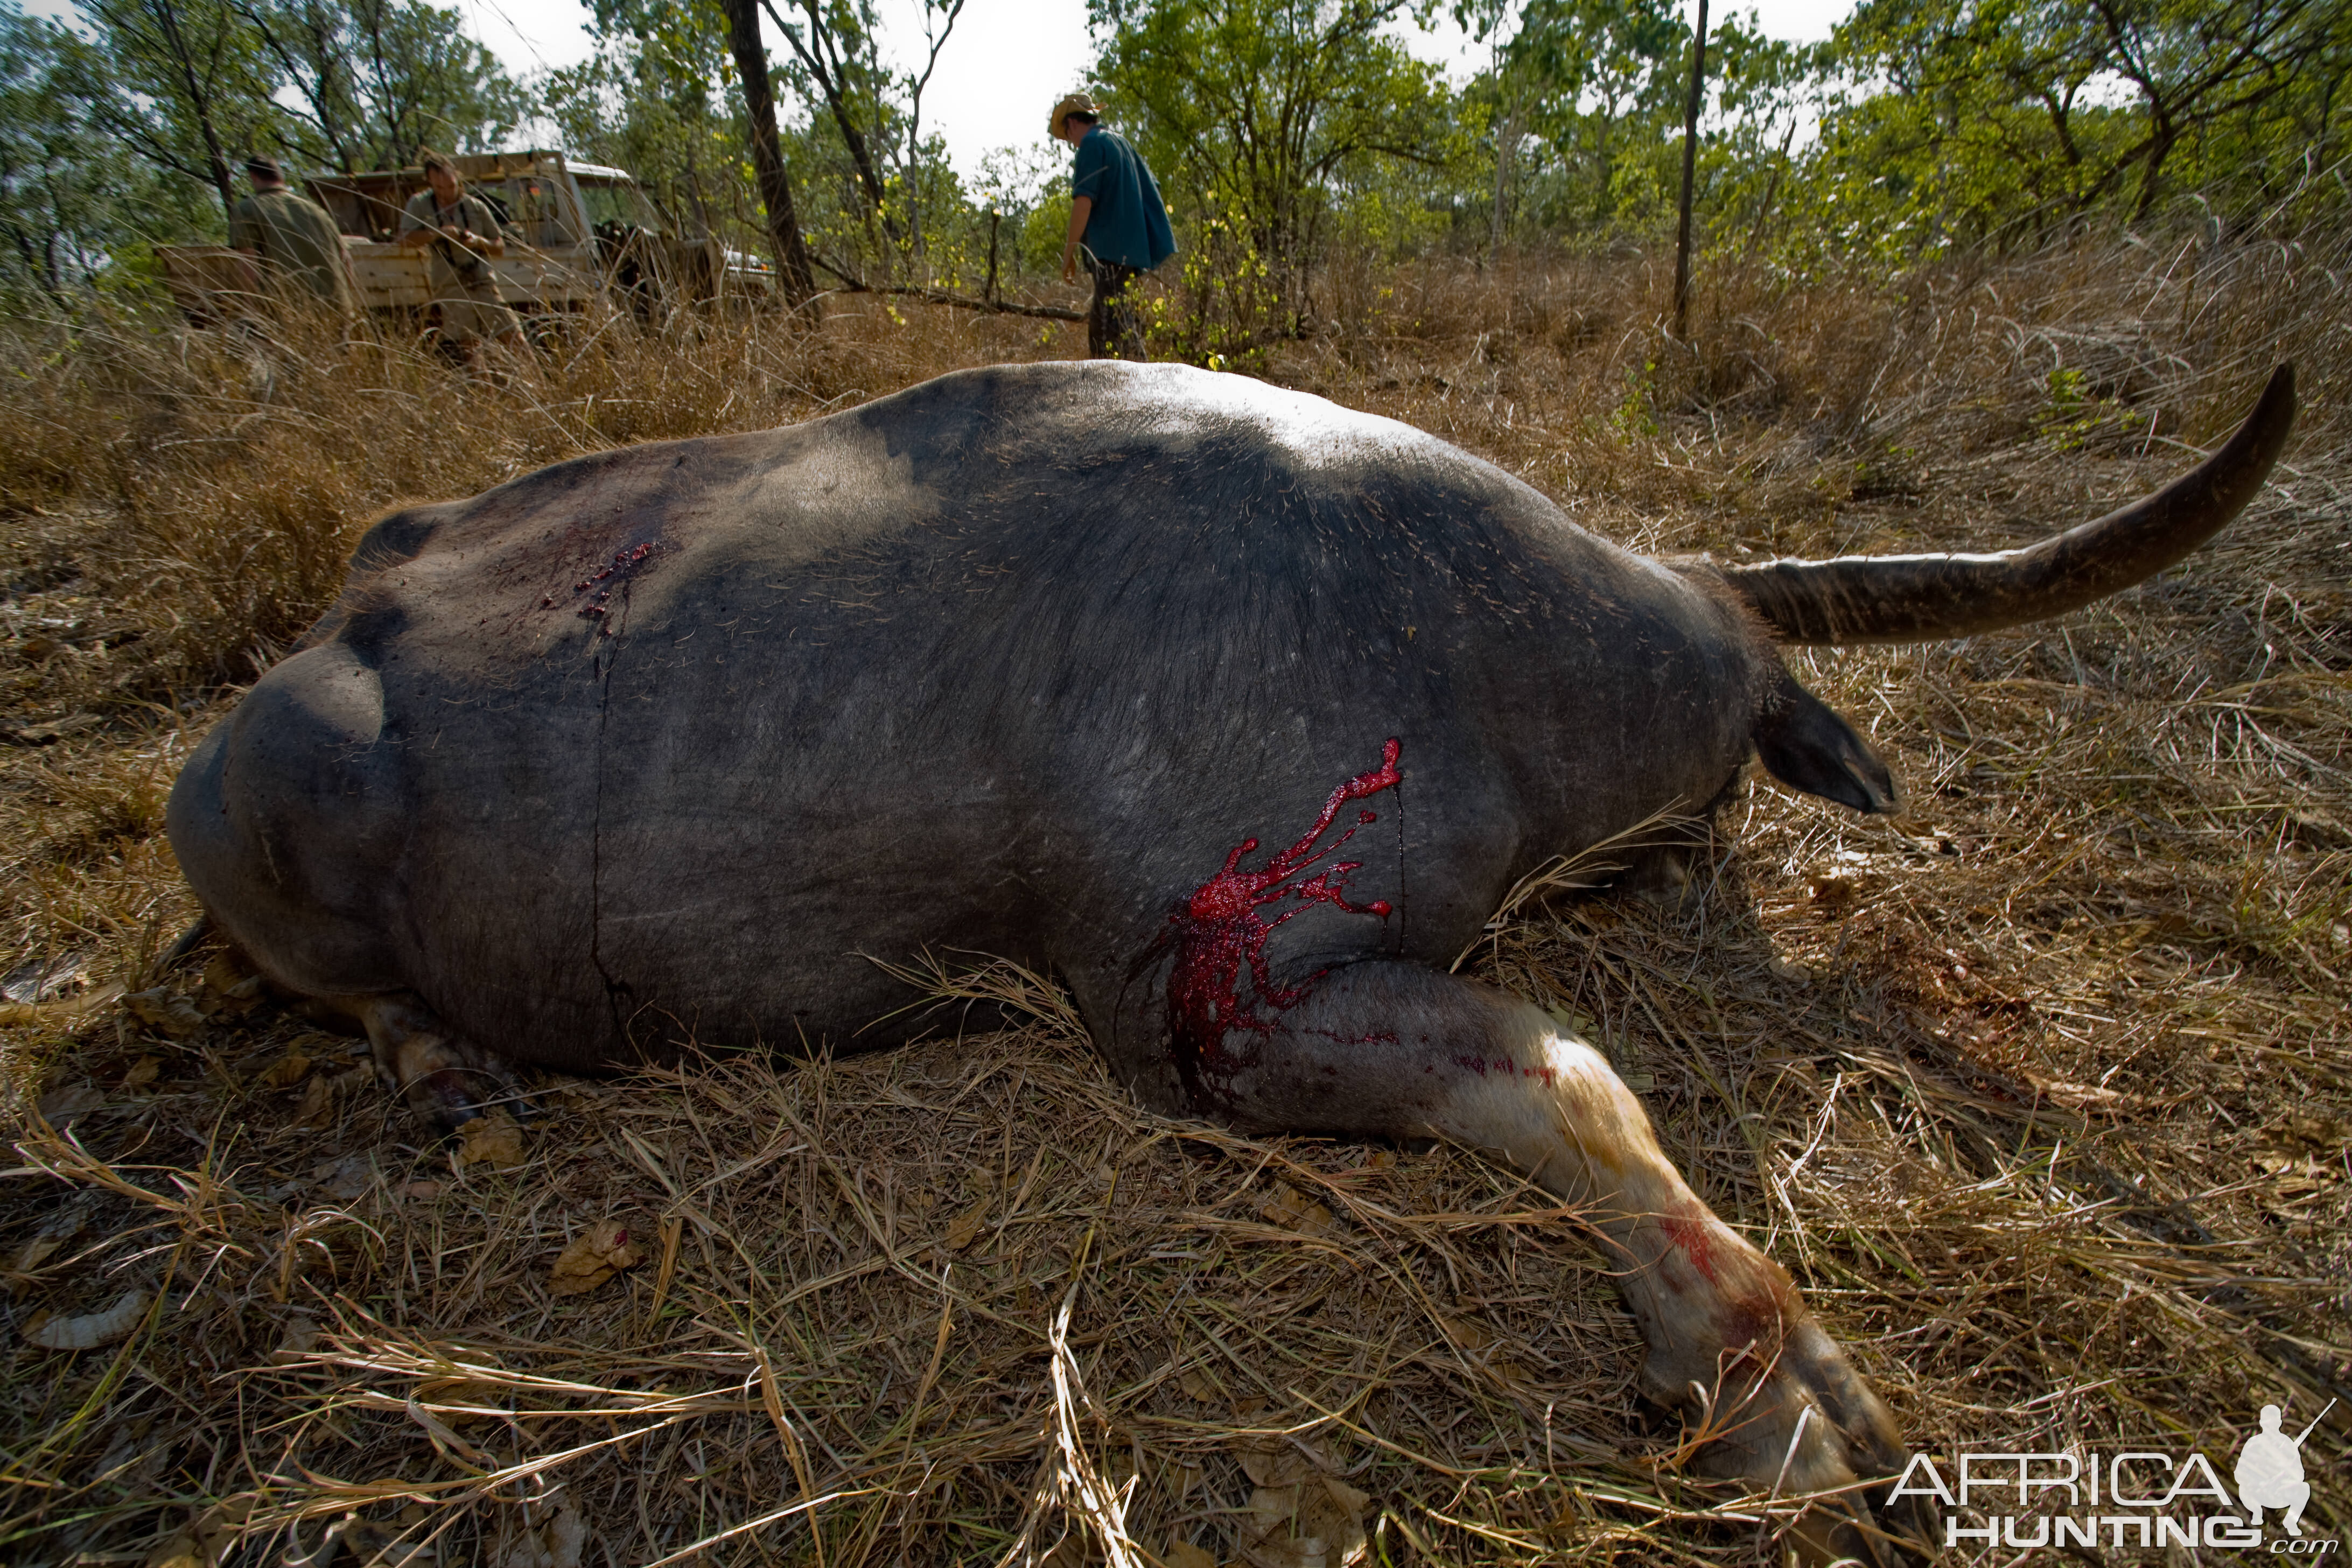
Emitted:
<point x="2043" y="1089"/>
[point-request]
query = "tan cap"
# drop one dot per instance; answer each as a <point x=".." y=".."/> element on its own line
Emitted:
<point x="1076" y="103"/>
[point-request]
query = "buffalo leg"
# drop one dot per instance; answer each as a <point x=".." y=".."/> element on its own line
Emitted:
<point x="447" y="1079"/>
<point x="1396" y="1050"/>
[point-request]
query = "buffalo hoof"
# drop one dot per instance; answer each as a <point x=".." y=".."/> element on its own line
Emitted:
<point x="461" y="1082"/>
<point x="1810" y="1428"/>
<point x="446" y="1079"/>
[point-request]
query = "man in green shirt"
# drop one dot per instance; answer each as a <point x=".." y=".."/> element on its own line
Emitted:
<point x="1116" y="216"/>
<point x="294" y="238"/>
<point x="460" y="233"/>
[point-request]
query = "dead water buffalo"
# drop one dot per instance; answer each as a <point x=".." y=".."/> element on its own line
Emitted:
<point x="1236" y="710"/>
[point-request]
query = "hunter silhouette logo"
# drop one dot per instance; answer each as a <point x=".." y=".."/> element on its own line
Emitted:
<point x="2141" y="1499"/>
<point x="2270" y="1470"/>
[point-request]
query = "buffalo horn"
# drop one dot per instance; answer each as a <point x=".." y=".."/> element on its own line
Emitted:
<point x="1913" y="598"/>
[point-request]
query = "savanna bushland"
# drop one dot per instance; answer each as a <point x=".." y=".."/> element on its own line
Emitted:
<point x="2042" y="1089"/>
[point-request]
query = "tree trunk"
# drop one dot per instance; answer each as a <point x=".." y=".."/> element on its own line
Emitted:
<point x="1507" y="142"/>
<point x="1772" y="186"/>
<point x="994" y="220"/>
<point x="1690" y="169"/>
<point x="833" y="81"/>
<point x="200" y="102"/>
<point x="767" y="152"/>
<point x="2160" y="141"/>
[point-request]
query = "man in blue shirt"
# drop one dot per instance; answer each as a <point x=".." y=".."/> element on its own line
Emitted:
<point x="1118" y="217"/>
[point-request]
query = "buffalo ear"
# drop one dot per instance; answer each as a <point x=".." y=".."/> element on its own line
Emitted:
<point x="1808" y="747"/>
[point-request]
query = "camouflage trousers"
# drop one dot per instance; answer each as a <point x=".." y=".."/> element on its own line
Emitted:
<point x="472" y="311"/>
<point x="1112" y="332"/>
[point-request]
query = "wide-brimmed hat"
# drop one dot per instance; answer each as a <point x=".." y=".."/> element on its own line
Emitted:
<point x="1075" y="103"/>
<point x="265" y="166"/>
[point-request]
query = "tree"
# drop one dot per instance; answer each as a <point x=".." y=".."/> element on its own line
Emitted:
<point x="38" y="142"/>
<point x="893" y="174"/>
<point x="1601" y="79"/>
<point x="191" y="88"/>
<point x="2000" y="122"/>
<point x="836" y="52"/>
<point x="372" y="82"/>
<point x="657" y="103"/>
<point x="939" y="26"/>
<point x="306" y="42"/>
<point x="184" y="84"/>
<point x="71" y="197"/>
<point x="1260" y="115"/>
<point x="864" y="125"/>
<point x="2193" y="63"/>
<point x="767" y="152"/>
<point x="1765" y="90"/>
<point x="1690" y="168"/>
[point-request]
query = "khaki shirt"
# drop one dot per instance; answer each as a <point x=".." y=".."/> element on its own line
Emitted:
<point x="296" y="242"/>
<point x="454" y="270"/>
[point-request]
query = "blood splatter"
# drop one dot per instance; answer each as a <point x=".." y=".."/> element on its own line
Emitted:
<point x="624" y="566"/>
<point x="1219" y="933"/>
<point x="1743" y="1322"/>
<point x="1371" y="1037"/>
<point x="1689" y="1233"/>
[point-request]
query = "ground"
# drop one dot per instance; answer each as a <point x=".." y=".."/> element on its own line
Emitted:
<point x="2042" y="1089"/>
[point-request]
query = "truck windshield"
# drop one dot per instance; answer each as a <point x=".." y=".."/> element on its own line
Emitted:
<point x="539" y="211"/>
<point x="614" y="202"/>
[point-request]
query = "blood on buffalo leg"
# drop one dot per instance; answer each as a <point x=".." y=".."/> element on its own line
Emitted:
<point x="447" y="1079"/>
<point x="1397" y="1050"/>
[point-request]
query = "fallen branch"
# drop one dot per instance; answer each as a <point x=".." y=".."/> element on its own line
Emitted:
<point x="851" y="284"/>
<point x="942" y="296"/>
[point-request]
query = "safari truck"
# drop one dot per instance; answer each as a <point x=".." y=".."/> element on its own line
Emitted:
<point x="575" y="232"/>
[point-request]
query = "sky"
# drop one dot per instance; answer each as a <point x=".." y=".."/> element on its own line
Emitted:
<point x="1006" y="63"/>
<point x="1008" y="60"/>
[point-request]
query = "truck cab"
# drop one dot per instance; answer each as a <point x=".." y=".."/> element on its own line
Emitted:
<point x="572" y="230"/>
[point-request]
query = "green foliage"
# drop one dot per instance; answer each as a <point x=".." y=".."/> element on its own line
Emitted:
<point x="1227" y="300"/>
<point x="1594" y="87"/>
<point x="2011" y="121"/>
<point x="1942" y="123"/>
<point x="184" y="85"/>
<point x="132" y="131"/>
<point x="1635" y="417"/>
<point x="835" y="67"/>
<point x="1283" y="132"/>
<point x="1020" y="183"/>
<point x="190" y="87"/>
<point x="654" y="99"/>
<point x="875" y="197"/>
<point x="883" y="197"/>
<point x="1583" y="110"/>
<point x="71" y="197"/>
<point x="2079" y="414"/>
<point x="1264" y="121"/>
<point x="364" y="84"/>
